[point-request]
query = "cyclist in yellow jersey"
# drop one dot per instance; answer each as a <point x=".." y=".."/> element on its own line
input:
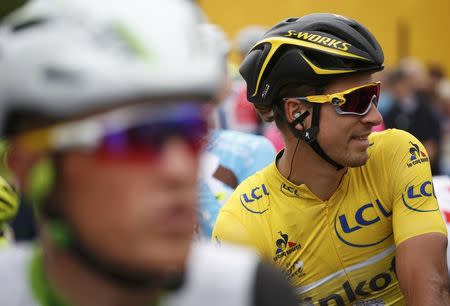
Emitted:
<point x="349" y="216"/>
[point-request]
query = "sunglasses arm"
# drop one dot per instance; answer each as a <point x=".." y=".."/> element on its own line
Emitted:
<point x="321" y="99"/>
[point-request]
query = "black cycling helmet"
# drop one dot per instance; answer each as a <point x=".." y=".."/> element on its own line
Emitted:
<point x="311" y="49"/>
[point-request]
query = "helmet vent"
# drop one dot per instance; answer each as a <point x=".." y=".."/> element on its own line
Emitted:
<point x="344" y="31"/>
<point x="28" y="24"/>
<point x="366" y="35"/>
<point x="291" y="20"/>
<point x="326" y="61"/>
<point x="59" y="74"/>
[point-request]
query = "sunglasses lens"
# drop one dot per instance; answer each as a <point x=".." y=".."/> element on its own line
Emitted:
<point x="146" y="140"/>
<point x="359" y="100"/>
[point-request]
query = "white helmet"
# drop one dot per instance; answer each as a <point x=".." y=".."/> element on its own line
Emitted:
<point x="65" y="57"/>
<point x="217" y="37"/>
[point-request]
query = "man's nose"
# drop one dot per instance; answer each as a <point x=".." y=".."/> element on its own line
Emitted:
<point x="373" y="116"/>
<point x="178" y="162"/>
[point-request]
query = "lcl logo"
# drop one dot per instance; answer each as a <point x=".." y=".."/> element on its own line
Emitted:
<point x="289" y="190"/>
<point x="365" y="216"/>
<point x="248" y="199"/>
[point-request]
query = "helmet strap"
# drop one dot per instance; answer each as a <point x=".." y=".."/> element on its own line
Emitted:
<point x="309" y="135"/>
<point x="314" y="144"/>
<point x="64" y="237"/>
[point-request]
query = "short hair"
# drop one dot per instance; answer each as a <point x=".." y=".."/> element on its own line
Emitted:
<point x="269" y="113"/>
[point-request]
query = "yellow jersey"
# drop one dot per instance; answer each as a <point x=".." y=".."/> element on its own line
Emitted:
<point x="340" y="251"/>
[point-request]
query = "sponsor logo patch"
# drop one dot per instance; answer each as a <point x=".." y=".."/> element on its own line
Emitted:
<point x="251" y="199"/>
<point x="349" y="225"/>
<point x="285" y="246"/>
<point x="417" y="156"/>
<point x="289" y="190"/>
<point x="355" y="292"/>
<point x="419" y="192"/>
<point x="318" y="39"/>
<point x="293" y="269"/>
<point x="265" y="91"/>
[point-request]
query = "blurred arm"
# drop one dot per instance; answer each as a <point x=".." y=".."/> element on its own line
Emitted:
<point x="432" y="149"/>
<point x="421" y="267"/>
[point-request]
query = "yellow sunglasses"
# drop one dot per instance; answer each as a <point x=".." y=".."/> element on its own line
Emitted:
<point x="353" y="101"/>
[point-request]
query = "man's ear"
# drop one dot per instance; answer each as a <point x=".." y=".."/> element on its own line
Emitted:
<point x="20" y="162"/>
<point x="293" y="109"/>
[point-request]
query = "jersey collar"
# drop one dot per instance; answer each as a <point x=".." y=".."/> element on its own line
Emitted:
<point x="301" y="191"/>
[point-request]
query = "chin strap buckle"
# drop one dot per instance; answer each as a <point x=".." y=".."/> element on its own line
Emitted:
<point x="310" y="134"/>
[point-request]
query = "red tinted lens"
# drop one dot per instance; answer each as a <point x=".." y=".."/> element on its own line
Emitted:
<point x="358" y="101"/>
<point x="146" y="140"/>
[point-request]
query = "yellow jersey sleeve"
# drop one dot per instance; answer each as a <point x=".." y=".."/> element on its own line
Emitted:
<point x="415" y="209"/>
<point x="241" y="219"/>
<point x="230" y="229"/>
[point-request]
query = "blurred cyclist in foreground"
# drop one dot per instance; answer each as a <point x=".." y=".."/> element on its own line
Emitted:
<point x="102" y="105"/>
